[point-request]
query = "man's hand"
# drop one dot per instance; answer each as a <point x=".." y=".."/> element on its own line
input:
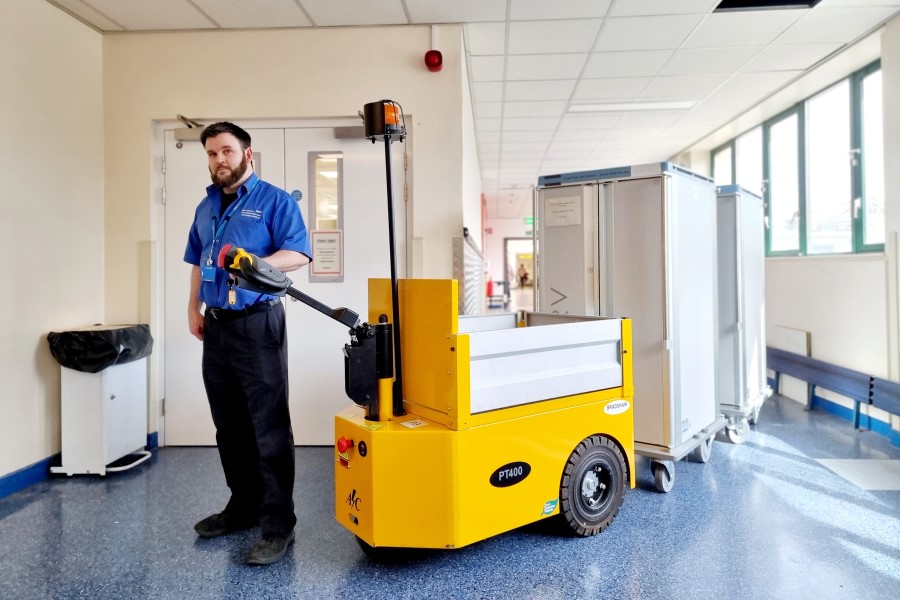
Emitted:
<point x="195" y="323"/>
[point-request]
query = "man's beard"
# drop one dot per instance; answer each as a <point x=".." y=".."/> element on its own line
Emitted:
<point x="230" y="178"/>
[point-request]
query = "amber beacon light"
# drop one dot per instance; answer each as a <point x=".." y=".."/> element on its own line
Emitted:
<point x="384" y="119"/>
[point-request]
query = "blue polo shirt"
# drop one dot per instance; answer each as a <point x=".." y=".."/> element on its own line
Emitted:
<point x="266" y="219"/>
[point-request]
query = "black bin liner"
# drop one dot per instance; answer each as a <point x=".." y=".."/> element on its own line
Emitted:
<point x="92" y="349"/>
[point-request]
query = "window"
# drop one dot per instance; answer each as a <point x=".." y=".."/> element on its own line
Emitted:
<point x="828" y="158"/>
<point x="327" y="189"/>
<point x="749" y="161"/>
<point x="871" y="201"/>
<point x="783" y="191"/>
<point x="326" y="218"/>
<point x="820" y="168"/>
<point x="722" y="166"/>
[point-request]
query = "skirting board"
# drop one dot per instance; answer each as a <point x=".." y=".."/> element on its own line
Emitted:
<point x="39" y="471"/>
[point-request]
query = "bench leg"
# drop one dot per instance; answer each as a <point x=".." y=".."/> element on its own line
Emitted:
<point x="809" y="396"/>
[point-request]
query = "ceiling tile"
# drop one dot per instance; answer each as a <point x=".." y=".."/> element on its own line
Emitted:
<point x="855" y="3"/>
<point x="662" y="7"/>
<point x="533" y="124"/>
<point x="744" y="28"/>
<point x="326" y="13"/>
<point x="585" y="123"/>
<point x="835" y="24"/>
<point x="564" y="136"/>
<point x="487" y="68"/>
<point x="486" y="38"/>
<point x="553" y="37"/>
<point x="699" y="61"/>
<point x="238" y="14"/>
<point x="620" y="88"/>
<point x="527" y="136"/>
<point x="539" y="90"/>
<point x="626" y="64"/>
<point x="682" y="87"/>
<point x="487" y="125"/>
<point x="650" y="119"/>
<point x="534" y="157"/>
<point x="646" y="33"/>
<point x="547" y="66"/>
<point x="585" y="144"/>
<point x="534" y="109"/>
<point x="458" y="11"/>
<point x="487" y="91"/>
<point x="79" y="8"/>
<point x="529" y="10"/>
<point x="790" y="57"/>
<point x="634" y="133"/>
<point x="508" y="147"/>
<point x="487" y="110"/>
<point x="485" y="137"/>
<point x="757" y="83"/>
<point x="140" y="15"/>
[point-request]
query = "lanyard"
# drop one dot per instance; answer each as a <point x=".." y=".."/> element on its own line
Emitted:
<point x="218" y="231"/>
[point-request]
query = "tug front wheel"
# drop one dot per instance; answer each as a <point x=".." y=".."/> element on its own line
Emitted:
<point x="592" y="487"/>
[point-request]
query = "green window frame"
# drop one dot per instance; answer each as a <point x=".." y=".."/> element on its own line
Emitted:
<point x="865" y="162"/>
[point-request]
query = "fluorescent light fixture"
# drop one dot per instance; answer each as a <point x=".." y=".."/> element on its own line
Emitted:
<point x="740" y="5"/>
<point x="630" y="106"/>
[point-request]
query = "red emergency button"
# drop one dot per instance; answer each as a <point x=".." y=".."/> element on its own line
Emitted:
<point x="343" y="444"/>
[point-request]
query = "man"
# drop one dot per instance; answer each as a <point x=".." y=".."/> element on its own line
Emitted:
<point x="244" y="345"/>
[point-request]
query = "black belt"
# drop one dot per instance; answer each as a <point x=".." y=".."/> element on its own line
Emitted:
<point x="229" y="314"/>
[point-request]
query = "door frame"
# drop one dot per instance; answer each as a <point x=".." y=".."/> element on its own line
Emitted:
<point x="151" y="298"/>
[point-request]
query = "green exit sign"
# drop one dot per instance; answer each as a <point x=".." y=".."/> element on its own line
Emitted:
<point x="529" y="220"/>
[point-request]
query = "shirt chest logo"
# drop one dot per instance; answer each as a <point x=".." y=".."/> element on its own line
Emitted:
<point x="252" y="213"/>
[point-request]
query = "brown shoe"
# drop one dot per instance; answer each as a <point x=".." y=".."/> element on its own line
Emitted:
<point x="270" y="549"/>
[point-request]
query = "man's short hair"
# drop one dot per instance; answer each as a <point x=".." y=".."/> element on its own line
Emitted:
<point x="226" y="127"/>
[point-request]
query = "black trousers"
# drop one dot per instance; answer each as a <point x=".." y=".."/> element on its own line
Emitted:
<point x="246" y="378"/>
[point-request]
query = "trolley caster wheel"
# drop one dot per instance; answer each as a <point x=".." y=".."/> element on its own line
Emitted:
<point x="702" y="452"/>
<point x="754" y="415"/>
<point x="592" y="486"/>
<point x="664" y="475"/>
<point x="737" y="434"/>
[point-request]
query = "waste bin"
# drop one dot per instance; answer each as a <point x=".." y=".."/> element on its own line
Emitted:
<point x="104" y="396"/>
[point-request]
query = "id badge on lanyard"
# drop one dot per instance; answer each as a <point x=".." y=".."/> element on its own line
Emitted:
<point x="208" y="270"/>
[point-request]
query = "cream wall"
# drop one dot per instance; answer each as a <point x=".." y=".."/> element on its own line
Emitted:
<point x="51" y="162"/>
<point x="471" y="170"/>
<point x="283" y="74"/>
<point x="273" y="75"/>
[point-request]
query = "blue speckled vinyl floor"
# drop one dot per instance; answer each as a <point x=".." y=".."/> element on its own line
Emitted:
<point x="760" y="520"/>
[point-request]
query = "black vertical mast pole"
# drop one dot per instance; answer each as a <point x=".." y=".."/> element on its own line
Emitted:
<point x="395" y="293"/>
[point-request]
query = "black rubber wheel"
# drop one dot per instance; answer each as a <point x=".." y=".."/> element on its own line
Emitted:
<point x="382" y="554"/>
<point x="592" y="487"/>
<point x="664" y="477"/>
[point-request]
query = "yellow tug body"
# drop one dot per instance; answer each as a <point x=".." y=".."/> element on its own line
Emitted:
<point x="509" y="420"/>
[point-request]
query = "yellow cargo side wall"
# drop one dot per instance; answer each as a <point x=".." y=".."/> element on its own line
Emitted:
<point x="428" y="323"/>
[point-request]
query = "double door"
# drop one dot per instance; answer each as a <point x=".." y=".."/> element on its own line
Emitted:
<point x="286" y="157"/>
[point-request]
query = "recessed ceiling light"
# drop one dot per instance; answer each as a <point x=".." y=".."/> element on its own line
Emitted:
<point x="738" y="5"/>
<point x="630" y="106"/>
